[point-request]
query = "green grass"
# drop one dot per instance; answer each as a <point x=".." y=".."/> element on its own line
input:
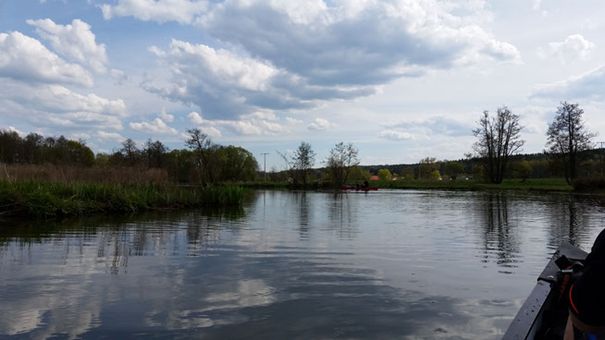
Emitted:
<point x="539" y="184"/>
<point x="46" y="199"/>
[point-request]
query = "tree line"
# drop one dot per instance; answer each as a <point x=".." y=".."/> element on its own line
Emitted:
<point x="202" y="161"/>
<point x="568" y="153"/>
<point x="499" y="137"/>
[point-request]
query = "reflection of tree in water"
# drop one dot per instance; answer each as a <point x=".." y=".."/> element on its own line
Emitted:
<point x="341" y="215"/>
<point x="116" y="239"/>
<point x="498" y="235"/>
<point x="569" y="219"/>
<point x="303" y="213"/>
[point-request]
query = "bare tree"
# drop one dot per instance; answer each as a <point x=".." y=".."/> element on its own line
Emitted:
<point x="303" y="160"/>
<point x="343" y="157"/>
<point x="567" y="136"/>
<point x="499" y="137"/>
<point x="299" y="163"/>
<point x="201" y="145"/>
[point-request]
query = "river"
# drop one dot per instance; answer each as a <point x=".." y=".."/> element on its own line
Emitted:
<point x="388" y="264"/>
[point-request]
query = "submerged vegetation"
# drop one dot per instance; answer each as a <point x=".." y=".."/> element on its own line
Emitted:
<point x="54" y="199"/>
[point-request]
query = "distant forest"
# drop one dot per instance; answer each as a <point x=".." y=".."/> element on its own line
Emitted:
<point x="206" y="162"/>
<point x="151" y="162"/>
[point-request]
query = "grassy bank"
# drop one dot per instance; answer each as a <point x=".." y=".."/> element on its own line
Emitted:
<point x="533" y="184"/>
<point x="48" y="199"/>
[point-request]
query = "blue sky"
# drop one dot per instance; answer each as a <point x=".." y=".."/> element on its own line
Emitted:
<point x="400" y="79"/>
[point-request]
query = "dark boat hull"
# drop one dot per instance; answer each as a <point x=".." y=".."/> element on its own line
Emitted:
<point x="530" y="322"/>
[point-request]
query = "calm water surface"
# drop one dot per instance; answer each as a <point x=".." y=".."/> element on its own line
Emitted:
<point x="387" y="264"/>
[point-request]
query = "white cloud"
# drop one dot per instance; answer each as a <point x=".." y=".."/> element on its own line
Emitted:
<point x="75" y="42"/>
<point x="574" y="47"/>
<point x="227" y="85"/>
<point x="319" y="124"/>
<point x="395" y="135"/>
<point x="58" y="106"/>
<point x="14" y="129"/>
<point x="280" y="55"/>
<point x="110" y="136"/>
<point x="25" y="59"/>
<point x="204" y="125"/>
<point x="181" y="11"/>
<point x="589" y="86"/>
<point x="356" y="42"/>
<point x="155" y="126"/>
<point x="255" y="124"/>
<point x="167" y="117"/>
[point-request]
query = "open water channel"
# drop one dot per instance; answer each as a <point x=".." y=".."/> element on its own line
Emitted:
<point x="386" y="264"/>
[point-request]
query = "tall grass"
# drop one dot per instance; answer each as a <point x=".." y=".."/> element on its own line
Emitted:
<point x="50" y="199"/>
<point x="68" y="174"/>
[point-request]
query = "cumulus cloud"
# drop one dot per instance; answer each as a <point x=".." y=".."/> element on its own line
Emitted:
<point x="255" y="124"/>
<point x="574" y="47"/>
<point x="589" y="86"/>
<point x="226" y="85"/>
<point x="155" y="126"/>
<point x="354" y="42"/>
<point x="319" y="124"/>
<point x="76" y="42"/>
<point x="55" y="105"/>
<point x="167" y="117"/>
<point x="110" y="136"/>
<point x="25" y="59"/>
<point x="439" y="125"/>
<point x="395" y="135"/>
<point x="181" y="11"/>
<point x="285" y="55"/>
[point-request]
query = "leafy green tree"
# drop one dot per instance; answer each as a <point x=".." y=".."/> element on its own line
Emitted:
<point x="568" y="136"/>
<point x="234" y="164"/>
<point x="385" y="174"/>
<point x="358" y="173"/>
<point x="523" y="169"/>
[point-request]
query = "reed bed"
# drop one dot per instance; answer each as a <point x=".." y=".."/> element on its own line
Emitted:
<point x="67" y="174"/>
<point x="58" y="199"/>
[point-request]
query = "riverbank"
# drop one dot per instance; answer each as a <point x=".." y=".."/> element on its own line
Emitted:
<point x="54" y="199"/>
<point x="533" y="184"/>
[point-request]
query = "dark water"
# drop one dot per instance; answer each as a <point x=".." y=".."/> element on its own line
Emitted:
<point x="387" y="264"/>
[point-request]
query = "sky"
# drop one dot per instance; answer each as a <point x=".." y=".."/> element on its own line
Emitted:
<point x="400" y="79"/>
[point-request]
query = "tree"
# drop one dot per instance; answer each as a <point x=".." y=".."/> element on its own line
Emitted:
<point x="358" y="173"/>
<point x="426" y="167"/>
<point x="232" y="163"/>
<point x="343" y="157"/>
<point x="302" y="161"/>
<point x="201" y="145"/>
<point x="499" y="137"/>
<point x="567" y="136"/>
<point x="385" y="174"/>
<point x="407" y="173"/>
<point x="523" y="169"/>
<point x="129" y="152"/>
<point x="155" y="153"/>
<point x="453" y="169"/>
